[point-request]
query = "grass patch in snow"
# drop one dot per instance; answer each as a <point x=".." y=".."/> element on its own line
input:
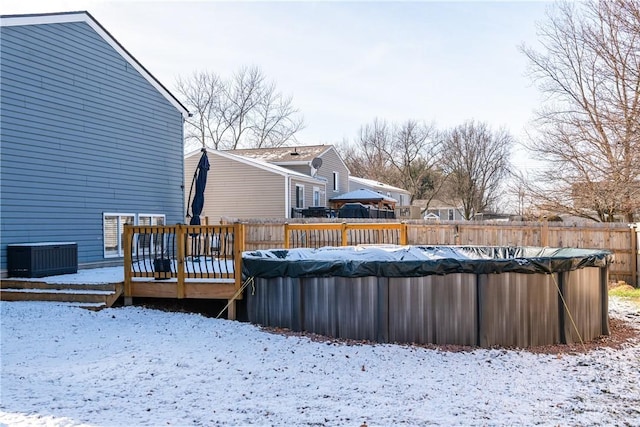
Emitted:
<point x="626" y="291"/>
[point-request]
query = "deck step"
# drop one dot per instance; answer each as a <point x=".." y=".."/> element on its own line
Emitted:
<point x="92" y="296"/>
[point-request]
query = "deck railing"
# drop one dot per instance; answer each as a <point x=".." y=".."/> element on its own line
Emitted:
<point x="184" y="261"/>
<point x="343" y="234"/>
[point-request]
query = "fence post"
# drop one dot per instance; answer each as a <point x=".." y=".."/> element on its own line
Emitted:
<point x="128" y="238"/>
<point x="456" y="234"/>
<point x="286" y="235"/>
<point x="343" y="234"/>
<point x="635" y="230"/>
<point x="181" y="240"/>
<point x="544" y="233"/>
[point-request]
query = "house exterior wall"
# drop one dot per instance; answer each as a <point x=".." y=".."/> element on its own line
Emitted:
<point x="237" y="190"/>
<point x="331" y="162"/>
<point x="444" y="213"/>
<point x="305" y="169"/>
<point x="308" y="192"/>
<point x="83" y="133"/>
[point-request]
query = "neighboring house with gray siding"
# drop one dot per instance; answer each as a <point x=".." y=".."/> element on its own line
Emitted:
<point x="402" y="196"/>
<point x="439" y="210"/>
<point x="89" y="139"/>
<point x="240" y="187"/>
<point x="320" y="161"/>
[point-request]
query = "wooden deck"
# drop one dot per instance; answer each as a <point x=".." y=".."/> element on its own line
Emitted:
<point x="184" y="261"/>
<point x="169" y="289"/>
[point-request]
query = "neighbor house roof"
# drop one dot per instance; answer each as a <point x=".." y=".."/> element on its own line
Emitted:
<point x="261" y="164"/>
<point x="378" y="184"/>
<point x="84" y="16"/>
<point x="297" y="154"/>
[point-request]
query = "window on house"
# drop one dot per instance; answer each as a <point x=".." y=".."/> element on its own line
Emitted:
<point x="113" y="227"/>
<point x="316" y="196"/>
<point x="150" y="243"/>
<point x="151" y="219"/>
<point x="299" y="196"/>
<point x="450" y="214"/>
<point x="336" y="182"/>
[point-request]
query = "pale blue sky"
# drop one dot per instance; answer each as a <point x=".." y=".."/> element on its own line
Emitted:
<point x="344" y="63"/>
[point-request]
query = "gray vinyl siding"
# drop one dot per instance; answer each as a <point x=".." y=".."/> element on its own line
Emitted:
<point x="443" y="213"/>
<point x="353" y="186"/>
<point x="331" y="162"/>
<point x="82" y="133"/>
<point x="305" y="169"/>
<point x="308" y="192"/>
<point x="237" y="190"/>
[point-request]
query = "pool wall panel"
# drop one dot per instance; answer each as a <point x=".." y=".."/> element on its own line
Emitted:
<point x="276" y="302"/>
<point x="433" y="309"/>
<point x="319" y="302"/>
<point x="518" y="310"/>
<point x="357" y="307"/>
<point x="586" y="301"/>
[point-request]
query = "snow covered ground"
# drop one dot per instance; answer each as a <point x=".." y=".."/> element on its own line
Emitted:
<point x="133" y="366"/>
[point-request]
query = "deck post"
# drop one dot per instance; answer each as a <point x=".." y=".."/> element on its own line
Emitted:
<point x="238" y="248"/>
<point x="128" y="239"/>
<point x="403" y="233"/>
<point x="181" y="239"/>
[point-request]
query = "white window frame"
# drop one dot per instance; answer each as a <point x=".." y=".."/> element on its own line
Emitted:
<point x="152" y="217"/>
<point x="316" y="196"/>
<point x="301" y="193"/>
<point x="336" y="181"/>
<point x="155" y="243"/>
<point x="120" y="228"/>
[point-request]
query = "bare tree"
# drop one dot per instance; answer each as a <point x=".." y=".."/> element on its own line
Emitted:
<point x="476" y="160"/>
<point x="367" y="157"/>
<point x="402" y="155"/>
<point x="414" y="156"/>
<point x="276" y="121"/>
<point x="518" y="197"/>
<point x="203" y="95"/>
<point x="244" y="111"/>
<point x="589" y="127"/>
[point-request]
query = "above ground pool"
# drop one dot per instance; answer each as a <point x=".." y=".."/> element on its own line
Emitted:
<point x="464" y="295"/>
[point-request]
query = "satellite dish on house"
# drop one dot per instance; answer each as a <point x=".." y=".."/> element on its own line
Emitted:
<point x="316" y="163"/>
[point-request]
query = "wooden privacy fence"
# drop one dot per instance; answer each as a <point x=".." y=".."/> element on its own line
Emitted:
<point x="619" y="238"/>
<point x="184" y="261"/>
